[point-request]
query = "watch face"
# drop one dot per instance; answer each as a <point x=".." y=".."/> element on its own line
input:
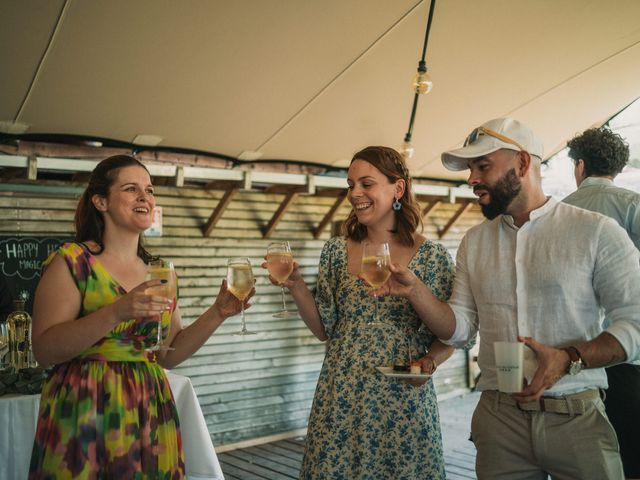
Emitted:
<point x="575" y="368"/>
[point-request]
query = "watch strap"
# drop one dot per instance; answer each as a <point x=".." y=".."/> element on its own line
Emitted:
<point x="574" y="354"/>
<point x="575" y="360"/>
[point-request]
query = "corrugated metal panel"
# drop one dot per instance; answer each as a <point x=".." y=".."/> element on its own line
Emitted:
<point x="248" y="387"/>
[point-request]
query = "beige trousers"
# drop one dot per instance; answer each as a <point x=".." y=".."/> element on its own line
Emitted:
<point x="513" y="444"/>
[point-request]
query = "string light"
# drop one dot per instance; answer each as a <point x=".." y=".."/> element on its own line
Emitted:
<point x="422" y="84"/>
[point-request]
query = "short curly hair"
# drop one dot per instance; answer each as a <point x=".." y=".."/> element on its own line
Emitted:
<point x="603" y="152"/>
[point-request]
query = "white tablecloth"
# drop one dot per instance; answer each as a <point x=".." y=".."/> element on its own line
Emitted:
<point x="18" y="418"/>
<point x="199" y="455"/>
<point x="19" y="414"/>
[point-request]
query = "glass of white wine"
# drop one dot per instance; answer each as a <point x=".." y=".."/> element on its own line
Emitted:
<point x="280" y="266"/>
<point x="161" y="270"/>
<point x="240" y="284"/>
<point x="375" y="270"/>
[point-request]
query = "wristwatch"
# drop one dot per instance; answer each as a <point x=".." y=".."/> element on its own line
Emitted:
<point x="576" y="365"/>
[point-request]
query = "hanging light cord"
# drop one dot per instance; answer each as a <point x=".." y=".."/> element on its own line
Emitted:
<point x="422" y="68"/>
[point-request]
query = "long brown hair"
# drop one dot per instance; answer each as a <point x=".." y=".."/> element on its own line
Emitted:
<point x="89" y="222"/>
<point x="393" y="166"/>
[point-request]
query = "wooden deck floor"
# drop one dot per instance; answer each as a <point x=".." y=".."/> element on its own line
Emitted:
<point x="281" y="460"/>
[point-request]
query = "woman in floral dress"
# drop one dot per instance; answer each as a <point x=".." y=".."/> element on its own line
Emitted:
<point x="364" y="425"/>
<point x="107" y="410"/>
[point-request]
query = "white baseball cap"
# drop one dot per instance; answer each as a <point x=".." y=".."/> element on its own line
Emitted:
<point x="490" y="137"/>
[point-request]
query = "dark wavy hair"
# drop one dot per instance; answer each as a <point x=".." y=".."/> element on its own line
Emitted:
<point x="604" y="152"/>
<point x="89" y="222"/>
<point x="393" y="166"/>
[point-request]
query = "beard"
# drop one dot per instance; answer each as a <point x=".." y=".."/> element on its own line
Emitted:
<point x="501" y="194"/>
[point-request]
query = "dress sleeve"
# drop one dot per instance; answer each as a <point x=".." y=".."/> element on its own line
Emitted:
<point x="76" y="259"/>
<point x="326" y="287"/>
<point x="437" y="272"/>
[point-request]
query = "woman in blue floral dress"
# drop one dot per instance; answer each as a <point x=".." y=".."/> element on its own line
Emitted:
<point x="364" y="425"/>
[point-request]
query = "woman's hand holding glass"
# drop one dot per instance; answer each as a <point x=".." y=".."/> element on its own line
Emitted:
<point x="240" y="283"/>
<point x="376" y="259"/>
<point x="163" y="271"/>
<point x="280" y="265"/>
<point x="227" y="304"/>
<point x="401" y="282"/>
<point x="139" y="305"/>
<point x="294" y="278"/>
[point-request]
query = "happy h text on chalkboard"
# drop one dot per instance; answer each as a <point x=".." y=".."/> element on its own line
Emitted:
<point x="21" y="263"/>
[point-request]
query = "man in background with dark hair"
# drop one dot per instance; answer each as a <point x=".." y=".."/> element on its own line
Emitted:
<point x="599" y="155"/>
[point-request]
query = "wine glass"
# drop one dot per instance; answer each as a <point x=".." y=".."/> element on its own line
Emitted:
<point x="161" y="270"/>
<point x="375" y="270"/>
<point x="280" y="266"/>
<point x="240" y="284"/>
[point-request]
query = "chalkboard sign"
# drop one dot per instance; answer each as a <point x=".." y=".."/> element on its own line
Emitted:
<point x="21" y="263"/>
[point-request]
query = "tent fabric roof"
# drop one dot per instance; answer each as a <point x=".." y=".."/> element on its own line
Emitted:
<point x="314" y="81"/>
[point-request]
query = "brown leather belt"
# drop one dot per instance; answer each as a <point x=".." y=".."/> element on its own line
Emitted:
<point x="575" y="404"/>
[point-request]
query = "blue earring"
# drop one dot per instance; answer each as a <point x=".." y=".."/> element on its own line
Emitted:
<point x="396" y="205"/>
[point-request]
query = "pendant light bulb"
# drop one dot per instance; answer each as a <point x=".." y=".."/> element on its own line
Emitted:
<point x="422" y="83"/>
<point x="407" y="150"/>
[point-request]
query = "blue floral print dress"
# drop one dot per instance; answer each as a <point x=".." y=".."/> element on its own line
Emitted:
<point x="364" y="425"/>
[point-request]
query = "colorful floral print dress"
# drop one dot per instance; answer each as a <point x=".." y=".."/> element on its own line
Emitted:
<point x="108" y="413"/>
<point x="364" y="425"/>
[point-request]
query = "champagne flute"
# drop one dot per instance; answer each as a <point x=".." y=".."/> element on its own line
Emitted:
<point x="280" y="266"/>
<point x="375" y="270"/>
<point x="240" y="284"/>
<point x="161" y="270"/>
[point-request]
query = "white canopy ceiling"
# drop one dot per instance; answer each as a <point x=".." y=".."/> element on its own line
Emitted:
<point x="314" y="81"/>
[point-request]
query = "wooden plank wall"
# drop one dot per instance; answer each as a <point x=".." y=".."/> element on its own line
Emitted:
<point x="248" y="387"/>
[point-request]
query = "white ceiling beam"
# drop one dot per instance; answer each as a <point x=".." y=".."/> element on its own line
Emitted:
<point x="246" y="178"/>
<point x="66" y="164"/>
<point x="13" y="161"/>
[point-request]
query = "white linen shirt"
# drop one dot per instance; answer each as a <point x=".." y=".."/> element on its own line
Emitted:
<point x="548" y="280"/>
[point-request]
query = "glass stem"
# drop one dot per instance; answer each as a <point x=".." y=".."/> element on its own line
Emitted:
<point x="159" y="339"/>
<point x="244" y="325"/>
<point x="375" y="300"/>
<point x="284" y="305"/>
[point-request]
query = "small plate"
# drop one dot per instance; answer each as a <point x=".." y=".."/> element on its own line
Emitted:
<point x="388" y="372"/>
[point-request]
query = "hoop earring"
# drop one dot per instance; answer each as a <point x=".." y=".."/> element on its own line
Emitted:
<point x="396" y="205"/>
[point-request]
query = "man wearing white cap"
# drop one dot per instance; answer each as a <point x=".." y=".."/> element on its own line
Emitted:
<point x="538" y="271"/>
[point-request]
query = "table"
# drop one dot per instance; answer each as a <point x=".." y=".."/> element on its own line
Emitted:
<point x="199" y="455"/>
<point x="19" y="415"/>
